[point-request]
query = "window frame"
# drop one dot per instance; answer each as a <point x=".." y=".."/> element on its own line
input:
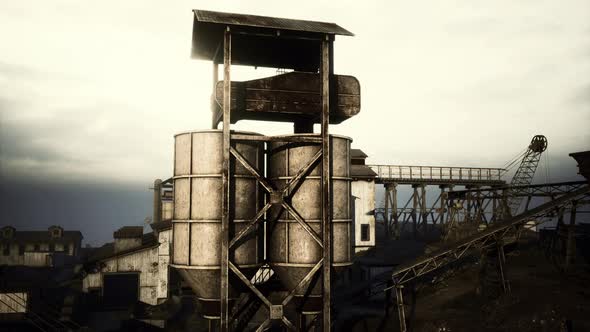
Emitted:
<point x="365" y="232"/>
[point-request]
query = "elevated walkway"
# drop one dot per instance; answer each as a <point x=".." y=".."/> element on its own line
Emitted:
<point x="438" y="175"/>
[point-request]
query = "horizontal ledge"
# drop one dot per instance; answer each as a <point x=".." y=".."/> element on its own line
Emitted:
<point x="294" y="139"/>
<point x="343" y="221"/>
<point x="310" y="177"/>
<point x="212" y="267"/>
<point x="211" y="176"/>
<point x="207" y="221"/>
<point x="310" y="265"/>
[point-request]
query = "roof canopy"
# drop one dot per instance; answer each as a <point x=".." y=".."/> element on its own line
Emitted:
<point x="262" y="41"/>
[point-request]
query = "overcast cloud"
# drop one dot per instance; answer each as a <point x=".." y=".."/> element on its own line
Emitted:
<point x="93" y="91"/>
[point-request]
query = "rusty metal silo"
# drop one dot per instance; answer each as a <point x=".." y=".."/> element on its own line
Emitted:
<point x="197" y="213"/>
<point x="292" y="251"/>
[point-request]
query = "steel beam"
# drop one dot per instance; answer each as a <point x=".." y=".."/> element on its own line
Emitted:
<point x="325" y="72"/>
<point x="226" y="178"/>
<point x="571" y="240"/>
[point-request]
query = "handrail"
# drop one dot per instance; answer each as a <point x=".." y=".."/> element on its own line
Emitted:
<point x="437" y="172"/>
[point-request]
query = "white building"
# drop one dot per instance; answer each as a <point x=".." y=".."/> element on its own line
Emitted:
<point x="135" y="267"/>
<point x="363" y="192"/>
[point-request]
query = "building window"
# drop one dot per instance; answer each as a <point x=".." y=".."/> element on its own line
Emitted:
<point x="67" y="248"/>
<point x="51" y="247"/>
<point x="6" y="250"/>
<point x="365" y="235"/>
<point x="37" y="247"/>
<point x="21" y="249"/>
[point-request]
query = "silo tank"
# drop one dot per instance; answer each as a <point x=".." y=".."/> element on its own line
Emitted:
<point x="197" y="210"/>
<point x="292" y="251"/>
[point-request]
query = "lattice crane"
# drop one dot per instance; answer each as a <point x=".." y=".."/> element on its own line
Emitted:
<point x="525" y="172"/>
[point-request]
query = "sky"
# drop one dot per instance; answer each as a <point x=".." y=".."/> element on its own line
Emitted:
<point x="91" y="93"/>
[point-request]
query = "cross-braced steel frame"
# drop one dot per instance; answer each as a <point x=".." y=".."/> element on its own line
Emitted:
<point x="492" y="204"/>
<point x="415" y="211"/>
<point x="275" y="196"/>
<point x="562" y="195"/>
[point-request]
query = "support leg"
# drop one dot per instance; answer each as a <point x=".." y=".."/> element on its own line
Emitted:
<point x="424" y="210"/>
<point x="400" y="308"/>
<point x="388" y="297"/>
<point x="501" y="268"/>
<point x="571" y="240"/>
<point x="395" y="213"/>
<point x="415" y="206"/>
<point x="386" y="212"/>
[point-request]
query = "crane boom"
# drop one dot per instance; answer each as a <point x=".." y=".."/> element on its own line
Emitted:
<point x="525" y="172"/>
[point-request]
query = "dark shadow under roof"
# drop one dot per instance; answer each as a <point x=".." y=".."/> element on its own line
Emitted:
<point x="262" y="41"/>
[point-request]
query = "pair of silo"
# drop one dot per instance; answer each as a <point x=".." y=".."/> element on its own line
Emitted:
<point x="291" y="251"/>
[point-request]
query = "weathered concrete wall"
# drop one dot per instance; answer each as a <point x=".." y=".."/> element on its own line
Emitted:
<point x="364" y="191"/>
<point x="167" y="210"/>
<point x="165" y="239"/>
<point x="152" y="265"/>
<point x="13" y="303"/>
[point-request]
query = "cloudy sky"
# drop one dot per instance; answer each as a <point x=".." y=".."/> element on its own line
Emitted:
<point x="92" y="92"/>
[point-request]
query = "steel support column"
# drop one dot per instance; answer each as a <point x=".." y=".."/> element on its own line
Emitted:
<point x="448" y="205"/>
<point x="440" y="215"/>
<point x="386" y="212"/>
<point x="226" y="178"/>
<point x="571" y="239"/>
<point x="395" y="214"/>
<point x="326" y="72"/>
<point x="415" y="206"/>
<point x="423" y="209"/>
<point x="399" y="290"/>
<point x="502" y="267"/>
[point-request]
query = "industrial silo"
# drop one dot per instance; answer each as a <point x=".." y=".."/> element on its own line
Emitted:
<point x="197" y="214"/>
<point x="292" y="251"/>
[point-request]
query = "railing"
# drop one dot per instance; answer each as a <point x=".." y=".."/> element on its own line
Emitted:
<point x="429" y="173"/>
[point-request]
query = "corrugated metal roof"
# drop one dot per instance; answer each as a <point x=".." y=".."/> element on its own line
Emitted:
<point x="270" y="22"/>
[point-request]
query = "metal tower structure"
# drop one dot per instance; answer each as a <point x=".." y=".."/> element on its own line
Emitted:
<point x="525" y="172"/>
<point x="311" y="94"/>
